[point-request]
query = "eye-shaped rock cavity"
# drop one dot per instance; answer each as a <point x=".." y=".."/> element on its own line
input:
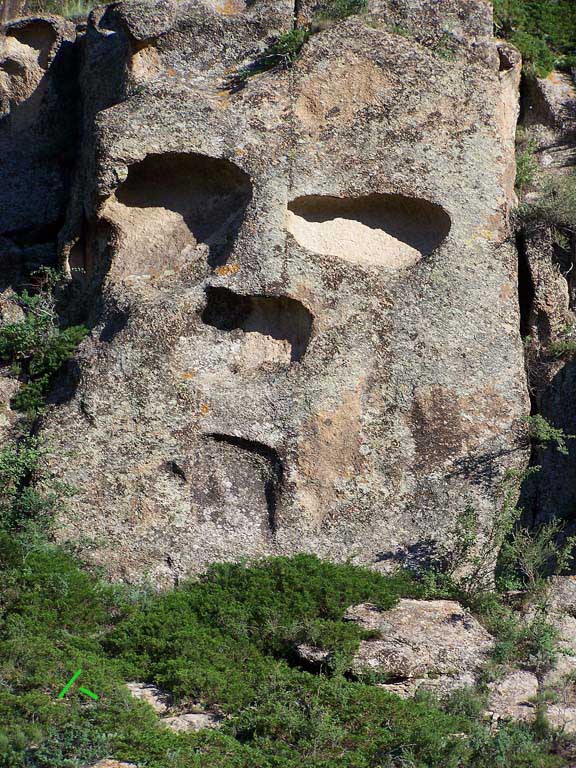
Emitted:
<point x="170" y="203"/>
<point x="391" y="231"/>
<point x="278" y="318"/>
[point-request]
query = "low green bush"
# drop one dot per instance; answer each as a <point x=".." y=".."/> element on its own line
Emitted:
<point x="544" y="434"/>
<point x="341" y="9"/>
<point x="226" y="639"/>
<point x="526" y="164"/>
<point x="543" y="30"/>
<point x="554" y="206"/>
<point x="280" y="54"/>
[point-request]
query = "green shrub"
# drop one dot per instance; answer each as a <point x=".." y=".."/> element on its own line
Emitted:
<point x="341" y="9"/>
<point x="563" y="348"/>
<point x="542" y="433"/>
<point x="543" y="30"/>
<point x="555" y="206"/>
<point x="225" y="639"/>
<point x="281" y="54"/>
<point x="37" y="347"/>
<point x="70" y="9"/>
<point x="526" y="165"/>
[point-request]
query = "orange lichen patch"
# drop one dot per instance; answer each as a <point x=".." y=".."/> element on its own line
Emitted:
<point x="231" y="7"/>
<point x="228" y="269"/>
<point x="146" y="63"/>
<point x="506" y="292"/>
<point x="188" y="374"/>
<point x="329" y="452"/>
<point x="204" y="409"/>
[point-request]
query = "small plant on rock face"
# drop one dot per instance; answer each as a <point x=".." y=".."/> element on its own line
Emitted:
<point x="38" y="346"/>
<point x="28" y="496"/>
<point x="465" y="565"/>
<point x="526" y="164"/>
<point x="543" y="433"/>
<point x="341" y="9"/>
<point x="555" y="205"/>
<point x="281" y="54"/>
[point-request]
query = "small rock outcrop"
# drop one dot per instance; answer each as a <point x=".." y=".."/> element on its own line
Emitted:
<point x="177" y="721"/>
<point x="433" y="645"/>
<point x="436" y="644"/>
<point x="514" y="697"/>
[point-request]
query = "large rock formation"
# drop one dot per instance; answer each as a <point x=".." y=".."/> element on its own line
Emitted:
<point x="303" y="301"/>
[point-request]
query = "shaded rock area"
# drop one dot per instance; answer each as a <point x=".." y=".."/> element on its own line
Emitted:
<point x="548" y="295"/>
<point x="176" y="721"/>
<point x="39" y="132"/>
<point x="301" y="294"/>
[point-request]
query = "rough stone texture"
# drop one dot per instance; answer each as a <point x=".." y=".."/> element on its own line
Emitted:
<point x="420" y="639"/>
<point x="176" y="721"/>
<point x="339" y="403"/>
<point x="440" y="687"/>
<point x="512" y="698"/>
<point x="107" y="763"/>
<point x="152" y="695"/>
<point x="192" y="721"/>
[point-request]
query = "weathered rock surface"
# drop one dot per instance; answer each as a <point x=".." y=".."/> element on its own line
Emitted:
<point x="176" y="721"/>
<point x="419" y="639"/>
<point x="513" y="697"/>
<point x="107" y="763"/>
<point x="151" y="695"/>
<point x="192" y="721"/>
<point x="302" y="297"/>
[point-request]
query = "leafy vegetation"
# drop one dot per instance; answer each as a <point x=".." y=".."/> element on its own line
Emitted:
<point x="38" y="346"/>
<point x="543" y="30"/>
<point x="341" y="9"/>
<point x="280" y="54"/>
<point x="555" y="205"/>
<point x="70" y="9"/>
<point x="226" y="640"/>
<point x="526" y="163"/>
<point x="543" y="433"/>
<point x="285" y="49"/>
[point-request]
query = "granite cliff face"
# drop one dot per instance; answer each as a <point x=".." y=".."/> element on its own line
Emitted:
<point x="302" y="294"/>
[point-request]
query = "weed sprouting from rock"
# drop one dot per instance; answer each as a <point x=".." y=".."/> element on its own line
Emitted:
<point x="38" y="346"/>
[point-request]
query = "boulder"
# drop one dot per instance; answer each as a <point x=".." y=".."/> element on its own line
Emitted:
<point x="429" y="645"/>
<point x="513" y="697"/>
<point x="177" y="721"/>
<point x="421" y="639"/>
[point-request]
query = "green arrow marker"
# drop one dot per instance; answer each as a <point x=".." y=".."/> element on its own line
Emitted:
<point x="71" y="682"/>
<point x="88" y="693"/>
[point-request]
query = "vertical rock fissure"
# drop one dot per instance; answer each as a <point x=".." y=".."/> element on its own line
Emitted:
<point x="297" y="6"/>
<point x="273" y="473"/>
